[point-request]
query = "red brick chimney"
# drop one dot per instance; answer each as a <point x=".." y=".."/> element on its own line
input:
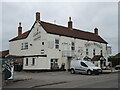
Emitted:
<point x="37" y="16"/>
<point x="70" y="23"/>
<point x="96" y="31"/>
<point x="19" y="29"/>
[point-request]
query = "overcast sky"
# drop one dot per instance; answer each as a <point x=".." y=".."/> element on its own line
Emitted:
<point x="85" y="16"/>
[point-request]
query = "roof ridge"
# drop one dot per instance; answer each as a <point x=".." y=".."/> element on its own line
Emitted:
<point x="53" y="24"/>
<point x="67" y="27"/>
<point x="63" y="31"/>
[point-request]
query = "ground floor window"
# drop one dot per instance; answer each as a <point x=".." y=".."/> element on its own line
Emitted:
<point x="54" y="64"/>
<point x="33" y="61"/>
<point x="26" y="62"/>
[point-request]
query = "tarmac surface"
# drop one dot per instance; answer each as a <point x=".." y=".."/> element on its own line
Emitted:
<point x="63" y="79"/>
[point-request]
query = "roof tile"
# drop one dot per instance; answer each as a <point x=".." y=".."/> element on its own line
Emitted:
<point x="64" y="31"/>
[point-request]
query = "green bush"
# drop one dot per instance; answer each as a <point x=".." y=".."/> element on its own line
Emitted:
<point x="115" y="60"/>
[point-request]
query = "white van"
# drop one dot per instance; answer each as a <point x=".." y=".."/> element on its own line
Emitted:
<point x="83" y="66"/>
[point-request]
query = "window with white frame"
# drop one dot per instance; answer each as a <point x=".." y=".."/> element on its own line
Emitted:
<point x="101" y="52"/>
<point x="93" y="51"/>
<point x="43" y="43"/>
<point x="42" y="51"/>
<point x="33" y="61"/>
<point x="57" y="43"/>
<point x="26" y="62"/>
<point x="24" y="46"/>
<point x="72" y="45"/>
<point x="54" y="63"/>
<point x="87" y="52"/>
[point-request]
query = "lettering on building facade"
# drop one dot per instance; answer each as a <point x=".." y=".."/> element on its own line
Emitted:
<point x="95" y="44"/>
<point x="37" y="35"/>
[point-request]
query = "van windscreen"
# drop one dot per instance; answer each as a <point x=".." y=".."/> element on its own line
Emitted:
<point x="90" y="64"/>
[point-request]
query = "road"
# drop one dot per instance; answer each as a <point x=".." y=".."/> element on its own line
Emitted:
<point x="94" y="83"/>
<point x="63" y="80"/>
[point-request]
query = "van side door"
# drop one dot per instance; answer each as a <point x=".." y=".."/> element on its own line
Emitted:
<point x="83" y="67"/>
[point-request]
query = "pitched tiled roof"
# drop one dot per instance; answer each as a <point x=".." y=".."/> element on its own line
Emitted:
<point x="4" y="53"/>
<point x="64" y="31"/>
<point x="23" y="36"/>
<point x="14" y="56"/>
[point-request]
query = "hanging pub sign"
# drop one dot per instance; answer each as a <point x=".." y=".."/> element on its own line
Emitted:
<point x="8" y="68"/>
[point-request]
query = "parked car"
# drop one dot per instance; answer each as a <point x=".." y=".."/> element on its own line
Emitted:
<point x="83" y="66"/>
<point x="117" y="67"/>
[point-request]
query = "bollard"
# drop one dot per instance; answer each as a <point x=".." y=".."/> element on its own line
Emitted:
<point x="111" y="67"/>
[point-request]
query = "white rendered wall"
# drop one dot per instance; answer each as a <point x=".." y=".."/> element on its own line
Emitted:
<point x="40" y="63"/>
<point x="50" y="50"/>
<point x="35" y="49"/>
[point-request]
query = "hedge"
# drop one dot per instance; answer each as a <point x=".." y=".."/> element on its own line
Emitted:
<point x="114" y="60"/>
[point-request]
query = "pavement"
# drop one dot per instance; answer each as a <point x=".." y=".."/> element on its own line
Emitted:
<point x="40" y="79"/>
<point x="110" y="71"/>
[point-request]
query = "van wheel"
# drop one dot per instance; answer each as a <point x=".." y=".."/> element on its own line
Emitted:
<point x="89" y="72"/>
<point x="72" y="71"/>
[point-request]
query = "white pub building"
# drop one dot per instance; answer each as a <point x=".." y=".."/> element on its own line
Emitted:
<point x="49" y="46"/>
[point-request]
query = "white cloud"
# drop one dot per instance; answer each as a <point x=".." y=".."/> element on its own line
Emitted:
<point x="85" y="16"/>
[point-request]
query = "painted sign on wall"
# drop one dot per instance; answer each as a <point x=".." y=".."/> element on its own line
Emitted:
<point x="8" y="68"/>
<point x="37" y="35"/>
<point x="93" y="44"/>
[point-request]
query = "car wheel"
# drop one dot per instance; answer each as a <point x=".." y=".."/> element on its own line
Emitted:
<point x="118" y="68"/>
<point x="89" y="72"/>
<point x="72" y="71"/>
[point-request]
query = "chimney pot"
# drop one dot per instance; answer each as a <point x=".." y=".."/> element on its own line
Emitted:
<point x="19" y="24"/>
<point x="19" y="30"/>
<point x="96" y="31"/>
<point x="37" y="16"/>
<point x="69" y="18"/>
<point x="70" y="23"/>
